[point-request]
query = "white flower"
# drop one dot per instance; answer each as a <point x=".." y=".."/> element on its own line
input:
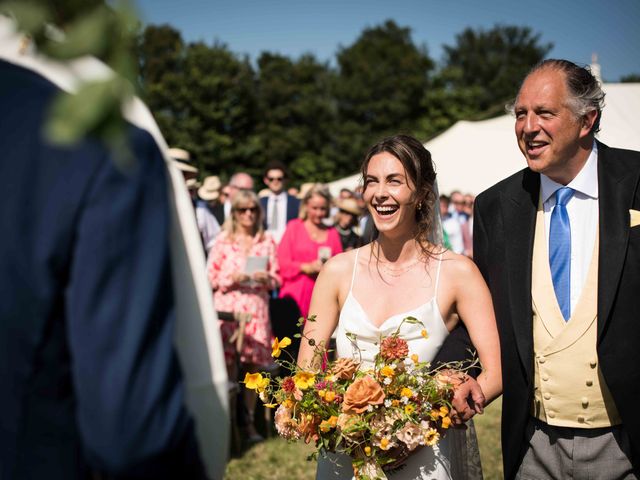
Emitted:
<point x="387" y="381"/>
<point x="370" y="408"/>
<point x="404" y="400"/>
<point x="387" y="403"/>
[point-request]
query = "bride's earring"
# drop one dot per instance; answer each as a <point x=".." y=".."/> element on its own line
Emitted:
<point x="419" y="206"/>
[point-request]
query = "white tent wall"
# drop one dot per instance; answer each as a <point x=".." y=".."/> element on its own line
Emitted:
<point x="472" y="156"/>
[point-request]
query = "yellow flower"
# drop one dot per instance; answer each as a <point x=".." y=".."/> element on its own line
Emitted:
<point x="444" y="411"/>
<point x="254" y="381"/>
<point x="387" y="371"/>
<point x="271" y="405"/>
<point x="322" y="393"/>
<point x="304" y="380"/>
<point x="288" y="403"/>
<point x="395" y="403"/>
<point x="406" y="392"/>
<point x="367" y="450"/>
<point x="278" y="345"/>
<point x="431" y="437"/>
<point x="424" y="334"/>
<point x="446" y="422"/>
<point x="384" y="443"/>
<point x="409" y="409"/>
<point x="414" y="357"/>
<point x="330" y="396"/>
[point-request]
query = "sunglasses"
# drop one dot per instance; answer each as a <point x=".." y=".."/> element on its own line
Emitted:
<point x="246" y="209"/>
<point x="275" y="179"/>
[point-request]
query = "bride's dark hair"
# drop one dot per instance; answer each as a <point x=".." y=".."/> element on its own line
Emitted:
<point x="418" y="166"/>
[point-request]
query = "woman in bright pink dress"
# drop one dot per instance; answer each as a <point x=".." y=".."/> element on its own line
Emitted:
<point x="306" y="244"/>
<point x="235" y="290"/>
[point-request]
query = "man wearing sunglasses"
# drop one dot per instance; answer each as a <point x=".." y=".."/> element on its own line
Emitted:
<point x="278" y="205"/>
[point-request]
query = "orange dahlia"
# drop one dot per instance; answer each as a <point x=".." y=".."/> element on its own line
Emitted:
<point x="394" y="348"/>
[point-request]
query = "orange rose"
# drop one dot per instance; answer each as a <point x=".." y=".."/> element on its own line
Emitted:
<point x="344" y="368"/>
<point x="363" y="392"/>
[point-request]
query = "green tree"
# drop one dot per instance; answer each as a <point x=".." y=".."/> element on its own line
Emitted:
<point x="296" y="116"/>
<point x="491" y="63"/>
<point x="203" y="97"/>
<point x="382" y="78"/>
<point x="630" y="78"/>
<point x="217" y="108"/>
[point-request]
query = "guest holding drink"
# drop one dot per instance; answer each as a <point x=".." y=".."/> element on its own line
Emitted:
<point x="306" y="244"/>
<point x="244" y="246"/>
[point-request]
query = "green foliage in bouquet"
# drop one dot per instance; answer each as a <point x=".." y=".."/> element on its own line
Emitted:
<point x="69" y="30"/>
<point x="377" y="414"/>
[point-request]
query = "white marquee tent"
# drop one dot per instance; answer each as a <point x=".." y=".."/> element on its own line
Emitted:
<point x="472" y="156"/>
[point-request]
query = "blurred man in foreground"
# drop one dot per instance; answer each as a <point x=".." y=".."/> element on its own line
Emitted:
<point x="98" y="278"/>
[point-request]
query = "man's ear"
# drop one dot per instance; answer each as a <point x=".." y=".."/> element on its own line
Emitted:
<point x="588" y="120"/>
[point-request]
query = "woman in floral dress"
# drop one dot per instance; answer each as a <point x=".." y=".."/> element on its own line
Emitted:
<point x="235" y="290"/>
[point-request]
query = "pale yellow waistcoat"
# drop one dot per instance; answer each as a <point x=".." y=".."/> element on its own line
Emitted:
<point x="569" y="388"/>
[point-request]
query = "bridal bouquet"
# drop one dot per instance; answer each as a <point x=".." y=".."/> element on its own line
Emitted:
<point x="376" y="415"/>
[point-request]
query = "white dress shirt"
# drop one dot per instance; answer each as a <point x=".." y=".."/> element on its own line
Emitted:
<point x="207" y="224"/>
<point x="582" y="209"/>
<point x="282" y="214"/>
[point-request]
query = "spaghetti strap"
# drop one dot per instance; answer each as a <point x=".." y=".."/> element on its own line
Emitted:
<point x="438" y="275"/>
<point x="353" y="275"/>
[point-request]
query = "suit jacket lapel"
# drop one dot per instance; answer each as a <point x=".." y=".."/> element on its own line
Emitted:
<point x="616" y="185"/>
<point x="519" y="217"/>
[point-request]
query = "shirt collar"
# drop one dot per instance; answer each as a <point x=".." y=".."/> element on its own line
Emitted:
<point x="279" y="196"/>
<point x="586" y="182"/>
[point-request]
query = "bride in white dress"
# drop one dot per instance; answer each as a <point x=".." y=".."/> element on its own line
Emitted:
<point x="370" y="290"/>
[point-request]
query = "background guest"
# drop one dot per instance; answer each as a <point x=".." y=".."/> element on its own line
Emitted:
<point x="237" y="290"/>
<point x="450" y="226"/>
<point x="238" y="181"/>
<point x="306" y="243"/>
<point x="208" y="194"/>
<point x="278" y="205"/>
<point x="345" y="220"/>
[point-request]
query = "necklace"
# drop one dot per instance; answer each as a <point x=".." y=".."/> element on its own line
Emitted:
<point x="398" y="272"/>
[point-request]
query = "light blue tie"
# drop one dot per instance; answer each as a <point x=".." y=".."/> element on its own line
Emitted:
<point x="560" y="251"/>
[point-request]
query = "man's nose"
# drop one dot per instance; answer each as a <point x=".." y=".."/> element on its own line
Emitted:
<point x="530" y="123"/>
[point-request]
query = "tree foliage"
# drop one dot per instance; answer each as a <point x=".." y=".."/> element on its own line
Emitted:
<point x="232" y="114"/>
<point x="381" y="80"/>
<point x="492" y="63"/>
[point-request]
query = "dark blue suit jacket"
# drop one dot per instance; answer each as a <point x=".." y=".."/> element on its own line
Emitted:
<point x="90" y="379"/>
<point x="293" y="208"/>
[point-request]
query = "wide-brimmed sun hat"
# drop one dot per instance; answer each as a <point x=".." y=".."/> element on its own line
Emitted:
<point x="349" y="205"/>
<point x="193" y="183"/>
<point x="182" y="159"/>
<point x="210" y="189"/>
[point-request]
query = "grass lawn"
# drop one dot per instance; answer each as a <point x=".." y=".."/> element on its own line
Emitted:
<point x="275" y="459"/>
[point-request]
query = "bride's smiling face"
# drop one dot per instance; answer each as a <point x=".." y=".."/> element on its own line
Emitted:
<point x="389" y="194"/>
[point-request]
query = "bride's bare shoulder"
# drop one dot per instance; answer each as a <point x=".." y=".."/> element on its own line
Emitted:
<point x="458" y="265"/>
<point x="340" y="264"/>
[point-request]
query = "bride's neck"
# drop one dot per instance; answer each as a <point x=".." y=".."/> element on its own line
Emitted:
<point x="398" y="250"/>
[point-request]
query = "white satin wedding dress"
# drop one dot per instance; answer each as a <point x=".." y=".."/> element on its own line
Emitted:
<point x="426" y="463"/>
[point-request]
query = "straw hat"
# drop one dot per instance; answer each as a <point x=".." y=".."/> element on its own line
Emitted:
<point x="193" y="183"/>
<point x="304" y="188"/>
<point x="182" y="159"/>
<point x="349" y="205"/>
<point x="210" y="189"/>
